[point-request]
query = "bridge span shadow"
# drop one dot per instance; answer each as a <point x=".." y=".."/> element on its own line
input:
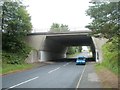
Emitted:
<point x="72" y="60"/>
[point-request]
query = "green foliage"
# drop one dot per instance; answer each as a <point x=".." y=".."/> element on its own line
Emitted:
<point x="105" y="19"/>
<point x="15" y="26"/>
<point x="8" y="68"/>
<point x="59" y="28"/>
<point x="15" y="19"/>
<point x="79" y="48"/>
<point x="110" y="54"/>
<point x="16" y="58"/>
<point x="73" y="50"/>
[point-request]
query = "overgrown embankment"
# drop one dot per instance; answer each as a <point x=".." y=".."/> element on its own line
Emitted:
<point x="16" y="24"/>
<point x="108" y="70"/>
<point x="15" y="60"/>
<point x="110" y="55"/>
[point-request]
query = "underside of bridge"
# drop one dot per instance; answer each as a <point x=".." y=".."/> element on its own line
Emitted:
<point x="55" y="47"/>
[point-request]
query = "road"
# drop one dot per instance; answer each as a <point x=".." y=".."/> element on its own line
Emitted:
<point x="56" y="75"/>
<point x="85" y="54"/>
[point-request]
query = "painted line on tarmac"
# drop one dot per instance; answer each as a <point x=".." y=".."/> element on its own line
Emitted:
<point x="80" y="77"/>
<point x="22" y="83"/>
<point x="54" y="70"/>
<point x="66" y="64"/>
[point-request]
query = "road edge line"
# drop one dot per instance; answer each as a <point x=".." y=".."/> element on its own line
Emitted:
<point x="80" y="77"/>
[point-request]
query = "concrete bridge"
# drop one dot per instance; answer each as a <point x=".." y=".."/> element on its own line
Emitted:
<point x="51" y="46"/>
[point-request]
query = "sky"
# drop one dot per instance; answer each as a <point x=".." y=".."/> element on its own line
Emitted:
<point x="69" y="12"/>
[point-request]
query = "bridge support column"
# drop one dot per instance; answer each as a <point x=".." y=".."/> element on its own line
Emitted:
<point x="99" y="42"/>
<point x="97" y="56"/>
<point x="33" y="57"/>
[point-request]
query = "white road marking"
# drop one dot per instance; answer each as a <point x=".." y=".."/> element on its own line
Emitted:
<point x="80" y="77"/>
<point x="22" y="83"/>
<point x="66" y="64"/>
<point x="54" y="70"/>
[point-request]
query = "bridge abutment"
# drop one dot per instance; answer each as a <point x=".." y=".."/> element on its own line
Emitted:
<point x="99" y="42"/>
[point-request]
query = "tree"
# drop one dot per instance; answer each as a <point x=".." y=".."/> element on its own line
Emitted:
<point x="64" y="28"/>
<point x="55" y="27"/>
<point x="79" y="48"/>
<point x="105" y="19"/>
<point x="59" y="28"/>
<point x="71" y="50"/>
<point x="15" y="25"/>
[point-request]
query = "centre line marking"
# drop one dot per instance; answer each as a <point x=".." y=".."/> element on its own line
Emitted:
<point x="54" y="70"/>
<point x="65" y="64"/>
<point x="80" y="77"/>
<point x="22" y="83"/>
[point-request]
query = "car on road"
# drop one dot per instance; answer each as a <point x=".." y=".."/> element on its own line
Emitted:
<point x="81" y="60"/>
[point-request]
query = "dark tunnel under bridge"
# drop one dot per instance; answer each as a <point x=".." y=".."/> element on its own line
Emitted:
<point x="55" y="47"/>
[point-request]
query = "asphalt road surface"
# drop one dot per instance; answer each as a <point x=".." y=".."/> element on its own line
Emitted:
<point x="84" y="53"/>
<point x="56" y="75"/>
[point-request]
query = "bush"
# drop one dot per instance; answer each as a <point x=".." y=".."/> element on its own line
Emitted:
<point x="71" y="50"/>
<point x="110" y="55"/>
<point x="16" y="57"/>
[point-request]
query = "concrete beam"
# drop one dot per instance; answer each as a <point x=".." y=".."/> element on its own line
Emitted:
<point x="36" y="41"/>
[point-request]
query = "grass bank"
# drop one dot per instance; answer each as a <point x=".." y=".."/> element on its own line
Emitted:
<point x="108" y="70"/>
<point x="110" y="57"/>
<point x="14" y="62"/>
<point x="10" y="68"/>
<point x="107" y="77"/>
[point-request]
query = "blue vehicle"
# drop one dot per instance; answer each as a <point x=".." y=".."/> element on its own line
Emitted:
<point x="81" y="60"/>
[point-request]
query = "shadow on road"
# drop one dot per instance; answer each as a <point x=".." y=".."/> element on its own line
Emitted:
<point x="71" y="60"/>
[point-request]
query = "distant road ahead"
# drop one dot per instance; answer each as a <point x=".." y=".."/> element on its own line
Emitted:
<point x="85" y="54"/>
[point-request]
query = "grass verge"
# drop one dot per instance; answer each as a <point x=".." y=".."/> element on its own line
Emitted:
<point x="110" y="58"/>
<point x="107" y="77"/>
<point x="10" y="68"/>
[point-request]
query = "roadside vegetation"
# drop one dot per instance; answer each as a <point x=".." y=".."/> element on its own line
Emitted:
<point x="110" y="56"/>
<point x="73" y="51"/>
<point x="59" y="28"/>
<point x="72" y="55"/>
<point x="15" y="26"/>
<point x="105" y="23"/>
<point x="10" y="68"/>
